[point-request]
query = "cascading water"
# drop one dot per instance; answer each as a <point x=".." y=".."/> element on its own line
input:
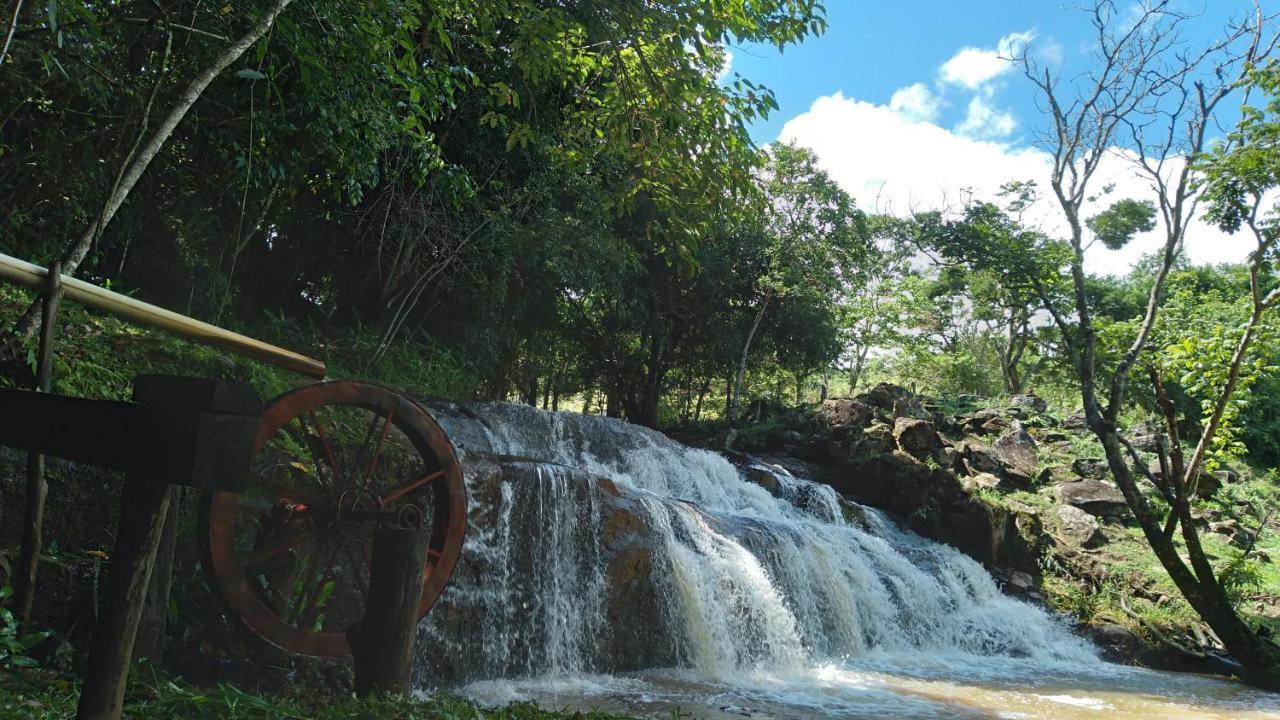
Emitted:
<point x="602" y="555"/>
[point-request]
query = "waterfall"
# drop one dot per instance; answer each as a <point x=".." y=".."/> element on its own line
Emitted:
<point x="596" y="546"/>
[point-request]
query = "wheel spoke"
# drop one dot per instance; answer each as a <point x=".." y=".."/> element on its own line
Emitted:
<point x="305" y="439"/>
<point x="328" y="449"/>
<point x="305" y="592"/>
<point x="377" y="451"/>
<point x="282" y="545"/>
<point x="397" y="494"/>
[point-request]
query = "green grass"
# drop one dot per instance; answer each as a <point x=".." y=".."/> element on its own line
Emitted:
<point x="35" y="695"/>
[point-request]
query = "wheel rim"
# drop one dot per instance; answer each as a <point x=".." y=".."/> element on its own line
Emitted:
<point x="289" y="555"/>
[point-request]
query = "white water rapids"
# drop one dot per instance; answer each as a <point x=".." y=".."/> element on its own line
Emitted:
<point x="746" y="603"/>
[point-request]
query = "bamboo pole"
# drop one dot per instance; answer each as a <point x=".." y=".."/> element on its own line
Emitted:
<point x="33" y="276"/>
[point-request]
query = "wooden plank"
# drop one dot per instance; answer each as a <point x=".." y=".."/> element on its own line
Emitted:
<point x="33" y="276"/>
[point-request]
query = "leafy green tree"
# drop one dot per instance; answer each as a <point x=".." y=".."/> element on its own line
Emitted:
<point x="814" y="235"/>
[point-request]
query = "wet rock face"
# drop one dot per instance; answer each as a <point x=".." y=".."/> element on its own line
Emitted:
<point x="1095" y="497"/>
<point x="551" y="551"/>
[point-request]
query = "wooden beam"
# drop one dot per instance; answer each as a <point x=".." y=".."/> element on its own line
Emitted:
<point x="33" y="276"/>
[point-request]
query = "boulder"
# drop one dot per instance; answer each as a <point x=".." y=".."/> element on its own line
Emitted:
<point x="1096" y="497"/>
<point x="984" y="480"/>
<point x="916" y="437"/>
<point x="975" y="421"/>
<point x="1091" y="468"/>
<point x="1146" y="437"/>
<point x="1233" y="531"/>
<point x="1075" y="421"/>
<point x="1077" y="527"/>
<point x="895" y="401"/>
<point x="1055" y="474"/>
<point x="1016" y="451"/>
<point x="844" y="412"/>
<point x="1030" y="400"/>
<point x="1208" y="484"/>
<point x="980" y="458"/>
<point x="1021" y="581"/>
<point x="994" y="426"/>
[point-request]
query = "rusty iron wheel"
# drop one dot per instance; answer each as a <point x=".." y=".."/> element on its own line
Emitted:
<point x="289" y="556"/>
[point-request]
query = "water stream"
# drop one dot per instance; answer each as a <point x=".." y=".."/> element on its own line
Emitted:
<point x="607" y="566"/>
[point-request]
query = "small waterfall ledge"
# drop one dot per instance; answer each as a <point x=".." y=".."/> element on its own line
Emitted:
<point x="596" y="546"/>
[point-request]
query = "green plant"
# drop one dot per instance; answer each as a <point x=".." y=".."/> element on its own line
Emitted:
<point x="14" y="645"/>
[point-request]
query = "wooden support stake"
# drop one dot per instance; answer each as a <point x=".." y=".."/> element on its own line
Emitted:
<point x="37" y="487"/>
<point x="382" y="642"/>
<point x="144" y="504"/>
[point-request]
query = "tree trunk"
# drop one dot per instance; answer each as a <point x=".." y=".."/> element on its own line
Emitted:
<point x="702" y="394"/>
<point x="152" y="628"/>
<point x="734" y="397"/>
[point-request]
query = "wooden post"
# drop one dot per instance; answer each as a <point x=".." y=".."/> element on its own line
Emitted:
<point x="143" y="507"/>
<point x="203" y="431"/>
<point x="37" y="487"/>
<point x="382" y="642"/>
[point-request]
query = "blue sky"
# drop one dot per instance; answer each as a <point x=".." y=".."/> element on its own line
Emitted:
<point x="907" y="104"/>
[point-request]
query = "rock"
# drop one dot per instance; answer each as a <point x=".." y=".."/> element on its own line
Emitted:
<point x="1075" y="421"/>
<point x="880" y="431"/>
<point x="1091" y="468"/>
<point x="979" y="458"/>
<point x="1208" y="484"/>
<point x="986" y="480"/>
<point x="1016" y="451"/>
<point x="976" y="421"/>
<point x="1055" y="474"/>
<point x="1097" y="497"/>
<point x="1021" y="581"/>
<point x="1146" y="437"/>
<point x="1077" y="527"/>
<point x="1053" y="436"/>
<point x="763" y="477"/>
<point x="1236" y="533"/>
<point x="896" y="401"/>
<point x="1225" y="476"/>
<point x="1030" y="400"/>
<point x="844" y="412"/>
<point x="915" y="436"/>
<point x="994" y="426"/>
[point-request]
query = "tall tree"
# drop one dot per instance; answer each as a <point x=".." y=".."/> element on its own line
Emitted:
<point x="1148" y="89"/>
<point x="813" y="233"/>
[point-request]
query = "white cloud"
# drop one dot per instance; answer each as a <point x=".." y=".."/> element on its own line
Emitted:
<point x="916" y="102"/>
<point x="974" y="67"/>
<point x="984" y="121"/>
<point x="727" y="67"/>
<point x="892" y="163"/>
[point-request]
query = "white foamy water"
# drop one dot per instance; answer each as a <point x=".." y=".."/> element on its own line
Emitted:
<point x="740" y="603"/>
